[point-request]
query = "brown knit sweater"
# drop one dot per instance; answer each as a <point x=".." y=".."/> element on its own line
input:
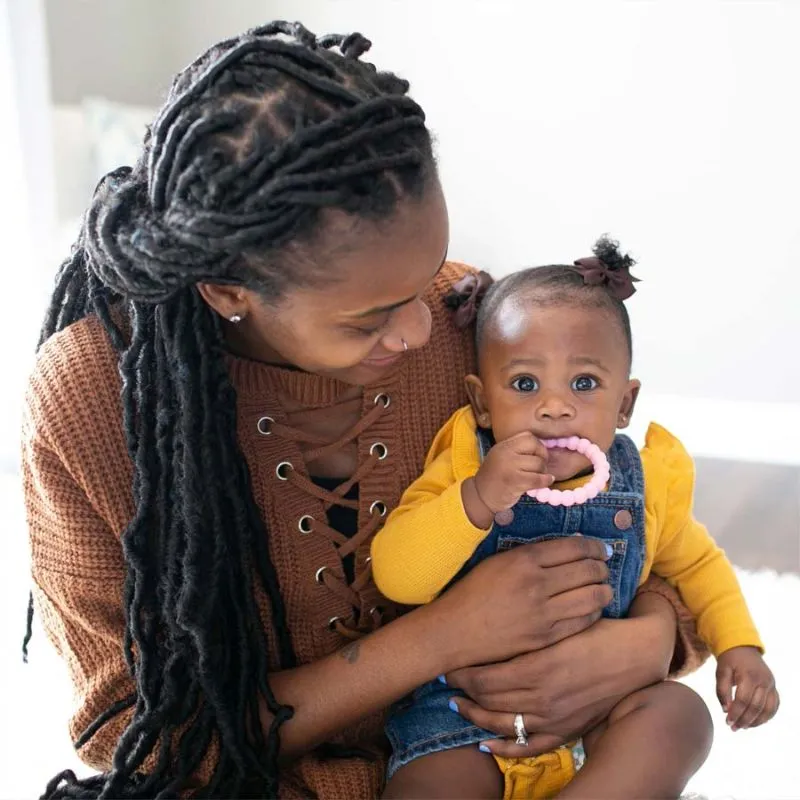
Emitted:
<point x="77" y="478"/>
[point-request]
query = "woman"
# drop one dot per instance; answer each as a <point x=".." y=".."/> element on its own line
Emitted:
<point x="244" y="363"/>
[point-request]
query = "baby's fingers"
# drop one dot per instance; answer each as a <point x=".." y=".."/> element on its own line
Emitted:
<point x="744" y="695"/>
<point x="537" y="480"/>
<point x="753" y="710"/>
<point x="526" y="443"/>
<point x="771" y="706"/>
<point x="724" y="687"/>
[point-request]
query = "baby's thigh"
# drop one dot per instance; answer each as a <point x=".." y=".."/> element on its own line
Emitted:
<point x="460" y="772"/>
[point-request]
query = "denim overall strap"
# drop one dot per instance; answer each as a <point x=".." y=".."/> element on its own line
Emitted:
<point x="615" y="515"/>
<point x="424" y="723"/>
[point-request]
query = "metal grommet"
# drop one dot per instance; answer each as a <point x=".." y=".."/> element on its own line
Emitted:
<point x="282" y="470"/>
<point x="304" y="523"/>
<point x="379" y="507"/>
<point x="264" y="426"/>
<point x="381" y="449"/>
<point x="382" y="398"/>
<point x="332" y="623"/>
<point x="318" y="575"/>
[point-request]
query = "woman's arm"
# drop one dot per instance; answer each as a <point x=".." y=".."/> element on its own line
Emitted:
<point x="518" y="601"/>
<point x="566" y="689"/>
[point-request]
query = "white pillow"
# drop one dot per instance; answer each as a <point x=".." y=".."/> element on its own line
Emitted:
<point x="116" y="133"/>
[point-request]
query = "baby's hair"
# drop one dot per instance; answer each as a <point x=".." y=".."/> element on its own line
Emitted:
<point x="565" y="285"/>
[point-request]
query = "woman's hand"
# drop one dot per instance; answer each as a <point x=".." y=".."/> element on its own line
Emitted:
<point x="510" y="604"/>
<point x="523" y="600"/>
<point x="567" y="688"/>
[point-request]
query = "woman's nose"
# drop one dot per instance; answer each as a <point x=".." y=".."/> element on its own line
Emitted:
<point x="412" y="327"/>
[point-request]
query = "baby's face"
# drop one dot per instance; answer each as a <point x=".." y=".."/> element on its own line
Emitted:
<point x="555" y="371"/>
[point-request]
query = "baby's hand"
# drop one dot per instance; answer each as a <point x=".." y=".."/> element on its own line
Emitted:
<point x="756" y="696"/>
<point x="511" y="468"/>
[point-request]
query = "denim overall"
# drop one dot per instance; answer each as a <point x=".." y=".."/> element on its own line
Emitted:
<point x="424" y="723"/>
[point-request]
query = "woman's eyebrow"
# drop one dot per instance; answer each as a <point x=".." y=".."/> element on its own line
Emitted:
<point x="392" y="306"/>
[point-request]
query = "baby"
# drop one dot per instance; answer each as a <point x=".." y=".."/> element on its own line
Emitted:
<point x="554" y="354"/>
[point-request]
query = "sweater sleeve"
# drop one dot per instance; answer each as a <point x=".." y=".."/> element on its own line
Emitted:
<point x="77" y="478"/>
<point x="78" y="574"/>
<point x="691" y="651"/>
<point x="428" y="537"/>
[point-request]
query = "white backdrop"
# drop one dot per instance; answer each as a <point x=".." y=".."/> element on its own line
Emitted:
<point x="673" y="125"/>
<point x="26" y="204"/>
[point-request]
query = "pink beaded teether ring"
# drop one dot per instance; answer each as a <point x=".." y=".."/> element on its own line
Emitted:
<point x="574" y="497"/>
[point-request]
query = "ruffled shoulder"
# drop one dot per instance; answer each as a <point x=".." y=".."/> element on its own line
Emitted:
<point x="669" y="472"/>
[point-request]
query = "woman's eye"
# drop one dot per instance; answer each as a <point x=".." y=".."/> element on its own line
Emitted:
<point x="584" y="383"/>
<point x="525" y="384"/>
<point x="370" y="331"/>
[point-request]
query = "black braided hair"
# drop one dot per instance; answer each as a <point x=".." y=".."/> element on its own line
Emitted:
<point x="560" y="285"/>
<point x="258" y="137"/>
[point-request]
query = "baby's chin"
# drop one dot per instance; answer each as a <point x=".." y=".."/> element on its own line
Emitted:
<point x="564" y="465"/>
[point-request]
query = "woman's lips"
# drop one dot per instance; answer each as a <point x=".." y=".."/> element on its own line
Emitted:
<point x="384" y="361"/>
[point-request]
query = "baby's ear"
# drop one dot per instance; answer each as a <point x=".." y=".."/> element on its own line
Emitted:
<point x="477" y="399"/>
<point x="628" y="403"/>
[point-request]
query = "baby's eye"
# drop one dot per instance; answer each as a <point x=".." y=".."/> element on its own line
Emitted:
<point x="525" y="384"/>
<point x="584" y="383"/>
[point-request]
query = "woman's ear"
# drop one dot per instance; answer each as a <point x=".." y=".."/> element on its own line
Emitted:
<point x="628" y="404"/>
<point x="477" y="399"/>
<point x="230" y="302"/>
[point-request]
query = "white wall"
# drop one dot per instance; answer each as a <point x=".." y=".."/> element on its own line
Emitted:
<point x="673" y="125"/>
<point x="26" y="204"/>
<point x="119" y="49"/>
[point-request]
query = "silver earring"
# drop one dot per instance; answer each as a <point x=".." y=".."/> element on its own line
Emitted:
<point x="236" y="319"/>
<point x="405" y="344"/>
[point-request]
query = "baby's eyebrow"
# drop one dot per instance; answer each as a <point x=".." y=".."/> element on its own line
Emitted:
<point x="580" y="361"/>
<point x="575" y="361"/>
<point x="532" y="361"/>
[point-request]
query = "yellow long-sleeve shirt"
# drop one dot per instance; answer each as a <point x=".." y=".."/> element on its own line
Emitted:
<point x="428" y="538"/>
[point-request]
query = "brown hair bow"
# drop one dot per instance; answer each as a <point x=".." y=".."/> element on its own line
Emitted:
<point x="466" y="296"/>
<point x="618" y="280"/>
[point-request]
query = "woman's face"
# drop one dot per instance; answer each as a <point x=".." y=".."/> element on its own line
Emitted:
<point x="353" y="326"/>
